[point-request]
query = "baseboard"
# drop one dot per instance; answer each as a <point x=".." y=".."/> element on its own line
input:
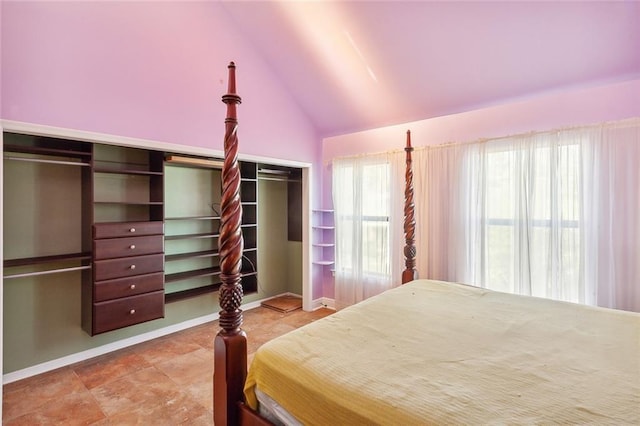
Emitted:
<point x="323" y="302"/>
<point x="114" y="346"/>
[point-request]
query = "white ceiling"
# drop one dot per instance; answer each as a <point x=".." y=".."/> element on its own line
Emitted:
<point x="354" y="65"/>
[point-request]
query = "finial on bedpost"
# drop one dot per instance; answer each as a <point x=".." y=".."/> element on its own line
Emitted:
<point x="410" y="272"/>
<point x="230" y="345"/>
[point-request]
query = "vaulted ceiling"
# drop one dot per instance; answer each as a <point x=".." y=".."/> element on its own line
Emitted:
<point x="354" y="65"/>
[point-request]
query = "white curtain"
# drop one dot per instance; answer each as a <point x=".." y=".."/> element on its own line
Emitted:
<point x="367" y="199"/>
<point x="549" y="214"/>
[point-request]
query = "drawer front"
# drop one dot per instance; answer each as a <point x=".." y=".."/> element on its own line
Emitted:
<point x="127" y="266"/>
<point x="126" y="229"/>
<point x="127" y="311"/>
<point x="124" y="287"/>
<point x="124" y="247"/>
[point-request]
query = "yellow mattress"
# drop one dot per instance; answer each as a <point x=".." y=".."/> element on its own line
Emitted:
<point x="431" y="352"/>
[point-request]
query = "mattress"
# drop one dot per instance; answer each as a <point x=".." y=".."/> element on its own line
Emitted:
<point x="431" y="352"/>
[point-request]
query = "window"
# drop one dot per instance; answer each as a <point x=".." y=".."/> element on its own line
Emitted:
<point x="532" y="232"/>
<point x="361" y="200"/>
<point x="364" y="219"/>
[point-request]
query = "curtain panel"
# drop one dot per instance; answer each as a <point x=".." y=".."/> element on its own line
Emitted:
<point x="368" y="196"/>
<point x="548" y="214"/>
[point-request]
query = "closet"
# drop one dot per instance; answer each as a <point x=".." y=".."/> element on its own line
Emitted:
<point x="112" y="234"/>
<point x="280" y="192"/>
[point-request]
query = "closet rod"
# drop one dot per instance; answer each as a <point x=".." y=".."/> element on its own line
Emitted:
<point x="40" y="160"/>
<point x="50" y="271"/>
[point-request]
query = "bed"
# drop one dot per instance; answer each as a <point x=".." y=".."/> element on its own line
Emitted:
<point x="427" y="352"/>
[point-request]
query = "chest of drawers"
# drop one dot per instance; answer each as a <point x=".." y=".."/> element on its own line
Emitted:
<point x="128" y="277"/>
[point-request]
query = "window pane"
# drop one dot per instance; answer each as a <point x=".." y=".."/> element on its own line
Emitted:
<point x="375" y="190"/>
<point x="375" y="247"/>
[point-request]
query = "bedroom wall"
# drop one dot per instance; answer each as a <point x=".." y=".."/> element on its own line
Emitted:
<point x="543" y="112"/>
<point x="147" y="70"/>
<point x="150" y="70"/>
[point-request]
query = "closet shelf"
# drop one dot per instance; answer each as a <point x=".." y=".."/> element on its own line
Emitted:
<point x="132" y="171"/>
<point x="47" y="151"/>
<point x="193" y="292"/>
<point x="131" y="203"/>
<point x="324" y="227"/>
<point x="46" y="259"/>
<point x="323" y="262"/>
<point x="181" y="256"/>
<point x="190" y="236"/>
<point x="193" y="218"/>
<point x="323" y="244"/>
<point x="180" y="276"/>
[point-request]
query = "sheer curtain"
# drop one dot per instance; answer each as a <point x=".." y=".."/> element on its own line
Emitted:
<point x="548" y="214"/>
<point x="367" y="199"/>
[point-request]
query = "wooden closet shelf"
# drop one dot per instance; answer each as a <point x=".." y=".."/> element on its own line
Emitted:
<point x="193" y="218"/>
<point x="180" y="276"/>
<point x="190" y="236"/>
<point x="132" y="203"/>
<point x="127" y="171"/>
<point x="46" y="259"/>
<point x="181" y="256"/>
<point x="193" y="292"/>
<point x="47" y="151"/>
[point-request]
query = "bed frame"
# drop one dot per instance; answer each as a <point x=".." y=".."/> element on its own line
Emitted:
<point x="230" y="344"/>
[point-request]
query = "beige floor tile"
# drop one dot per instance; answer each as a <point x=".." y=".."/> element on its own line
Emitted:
<point x="74" y="409"/>
<point x="167" y="381"/>
<point x="188" y="368"/>
<point x="180" y="409"/>
<point x="165" y="348"/>
<point x="149" y="386"/>
<point x="30" y="394"/>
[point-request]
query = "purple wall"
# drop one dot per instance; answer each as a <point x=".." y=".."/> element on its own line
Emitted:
<point x="151" y="70"/>
<point x="571" y="108"/>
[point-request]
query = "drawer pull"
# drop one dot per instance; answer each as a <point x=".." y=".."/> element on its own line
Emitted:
<point x="131" y="312"/>
<point x="132" y="267"/>
<point x="132" y="246"/>
<point x="132" y="286"/>
<point x="132" y="230"/>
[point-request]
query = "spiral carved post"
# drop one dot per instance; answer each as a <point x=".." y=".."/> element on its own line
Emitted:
<point x="410" y="272"/>
<point x="230" y="345"/>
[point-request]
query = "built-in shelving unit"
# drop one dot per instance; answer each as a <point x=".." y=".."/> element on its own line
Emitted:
<point x="192" y="226"/>
<point x="127" y="286"/>
<point x="120" y="219"/>
<point x="324" y="238"/>
<point x="249" y="201"/>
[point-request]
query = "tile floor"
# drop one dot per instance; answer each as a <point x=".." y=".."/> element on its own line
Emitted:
<point x="166" y="381"/>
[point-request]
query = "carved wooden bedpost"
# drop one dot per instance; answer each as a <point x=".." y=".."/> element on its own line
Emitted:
<point x="410" y="272"/>
<point x="230" y="345"/>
